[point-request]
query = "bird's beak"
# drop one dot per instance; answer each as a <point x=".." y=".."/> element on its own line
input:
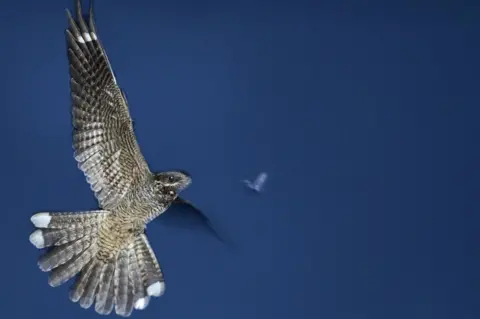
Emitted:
<point x="185" y="183"/>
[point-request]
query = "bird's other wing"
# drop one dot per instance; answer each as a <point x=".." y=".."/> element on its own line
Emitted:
<point x="105" y="145"/>
<point x="190" y="216"/>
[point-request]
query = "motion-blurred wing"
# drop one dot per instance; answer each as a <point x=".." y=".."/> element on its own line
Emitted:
<point x="105" y="145"/>
<point x="189" y="216"/>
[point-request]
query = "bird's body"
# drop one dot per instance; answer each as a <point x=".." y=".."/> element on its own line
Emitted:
<point x="107" y="248"/>
<point x="129" y="218"/>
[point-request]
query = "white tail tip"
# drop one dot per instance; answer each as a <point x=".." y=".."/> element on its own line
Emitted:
<point x="36" y="238"/>
<point x="142" y="303"/>
<point x="41" y="220"/>
<point x="156" y="289"/>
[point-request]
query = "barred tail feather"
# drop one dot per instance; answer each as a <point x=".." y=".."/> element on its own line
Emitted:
<point x="123" y="287"/>
<point x="92" y="283"/>
<point x="137" y="277"/>
<point x="67" y="271"/>
<point x="71" y="239"/>
<point x="139" y="288"/>
<point x="105" y="297"/>
<point x="42" y="238"/>
<point x="59" y="255"/>
<point x="65" y="220"/>
<point x="152" y="275"/>
<point x="77" y="289"/>
<point x="125" y="282"/>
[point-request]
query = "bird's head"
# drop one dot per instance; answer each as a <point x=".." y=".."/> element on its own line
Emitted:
<point x="171" y="183"/>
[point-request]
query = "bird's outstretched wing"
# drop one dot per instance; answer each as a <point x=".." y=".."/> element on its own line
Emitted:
<point x="103" y="138"/>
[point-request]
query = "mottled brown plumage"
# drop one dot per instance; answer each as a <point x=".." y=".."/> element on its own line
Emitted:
<point x="107" y="248"/>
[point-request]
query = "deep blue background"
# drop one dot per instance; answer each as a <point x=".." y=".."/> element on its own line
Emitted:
<point x="364" y="117"/>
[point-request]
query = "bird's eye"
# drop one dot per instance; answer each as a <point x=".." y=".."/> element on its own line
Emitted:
<point x="171" y="178"/>
<point x="171" y="193"/>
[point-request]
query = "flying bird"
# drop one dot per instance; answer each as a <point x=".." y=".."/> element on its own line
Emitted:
<point x="258" y="184"/>
<point x="107" y="249"/>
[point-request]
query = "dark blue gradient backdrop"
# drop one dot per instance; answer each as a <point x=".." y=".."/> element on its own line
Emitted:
<point x="364" y="116"/>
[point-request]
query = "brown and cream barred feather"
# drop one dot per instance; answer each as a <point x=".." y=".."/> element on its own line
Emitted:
<point x="105" y="145"/>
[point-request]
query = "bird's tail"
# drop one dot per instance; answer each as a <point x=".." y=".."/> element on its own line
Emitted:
<point x="71" y="238"/>
<point x="123" y="281"/>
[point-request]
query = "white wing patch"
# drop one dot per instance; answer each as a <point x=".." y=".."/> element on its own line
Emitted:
<point x="87" y="37"/>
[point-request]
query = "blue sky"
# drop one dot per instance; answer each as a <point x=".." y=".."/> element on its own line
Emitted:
<point x="364" y="117"/>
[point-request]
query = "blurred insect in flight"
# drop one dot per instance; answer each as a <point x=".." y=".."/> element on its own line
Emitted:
<point x="258" y="184"/>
